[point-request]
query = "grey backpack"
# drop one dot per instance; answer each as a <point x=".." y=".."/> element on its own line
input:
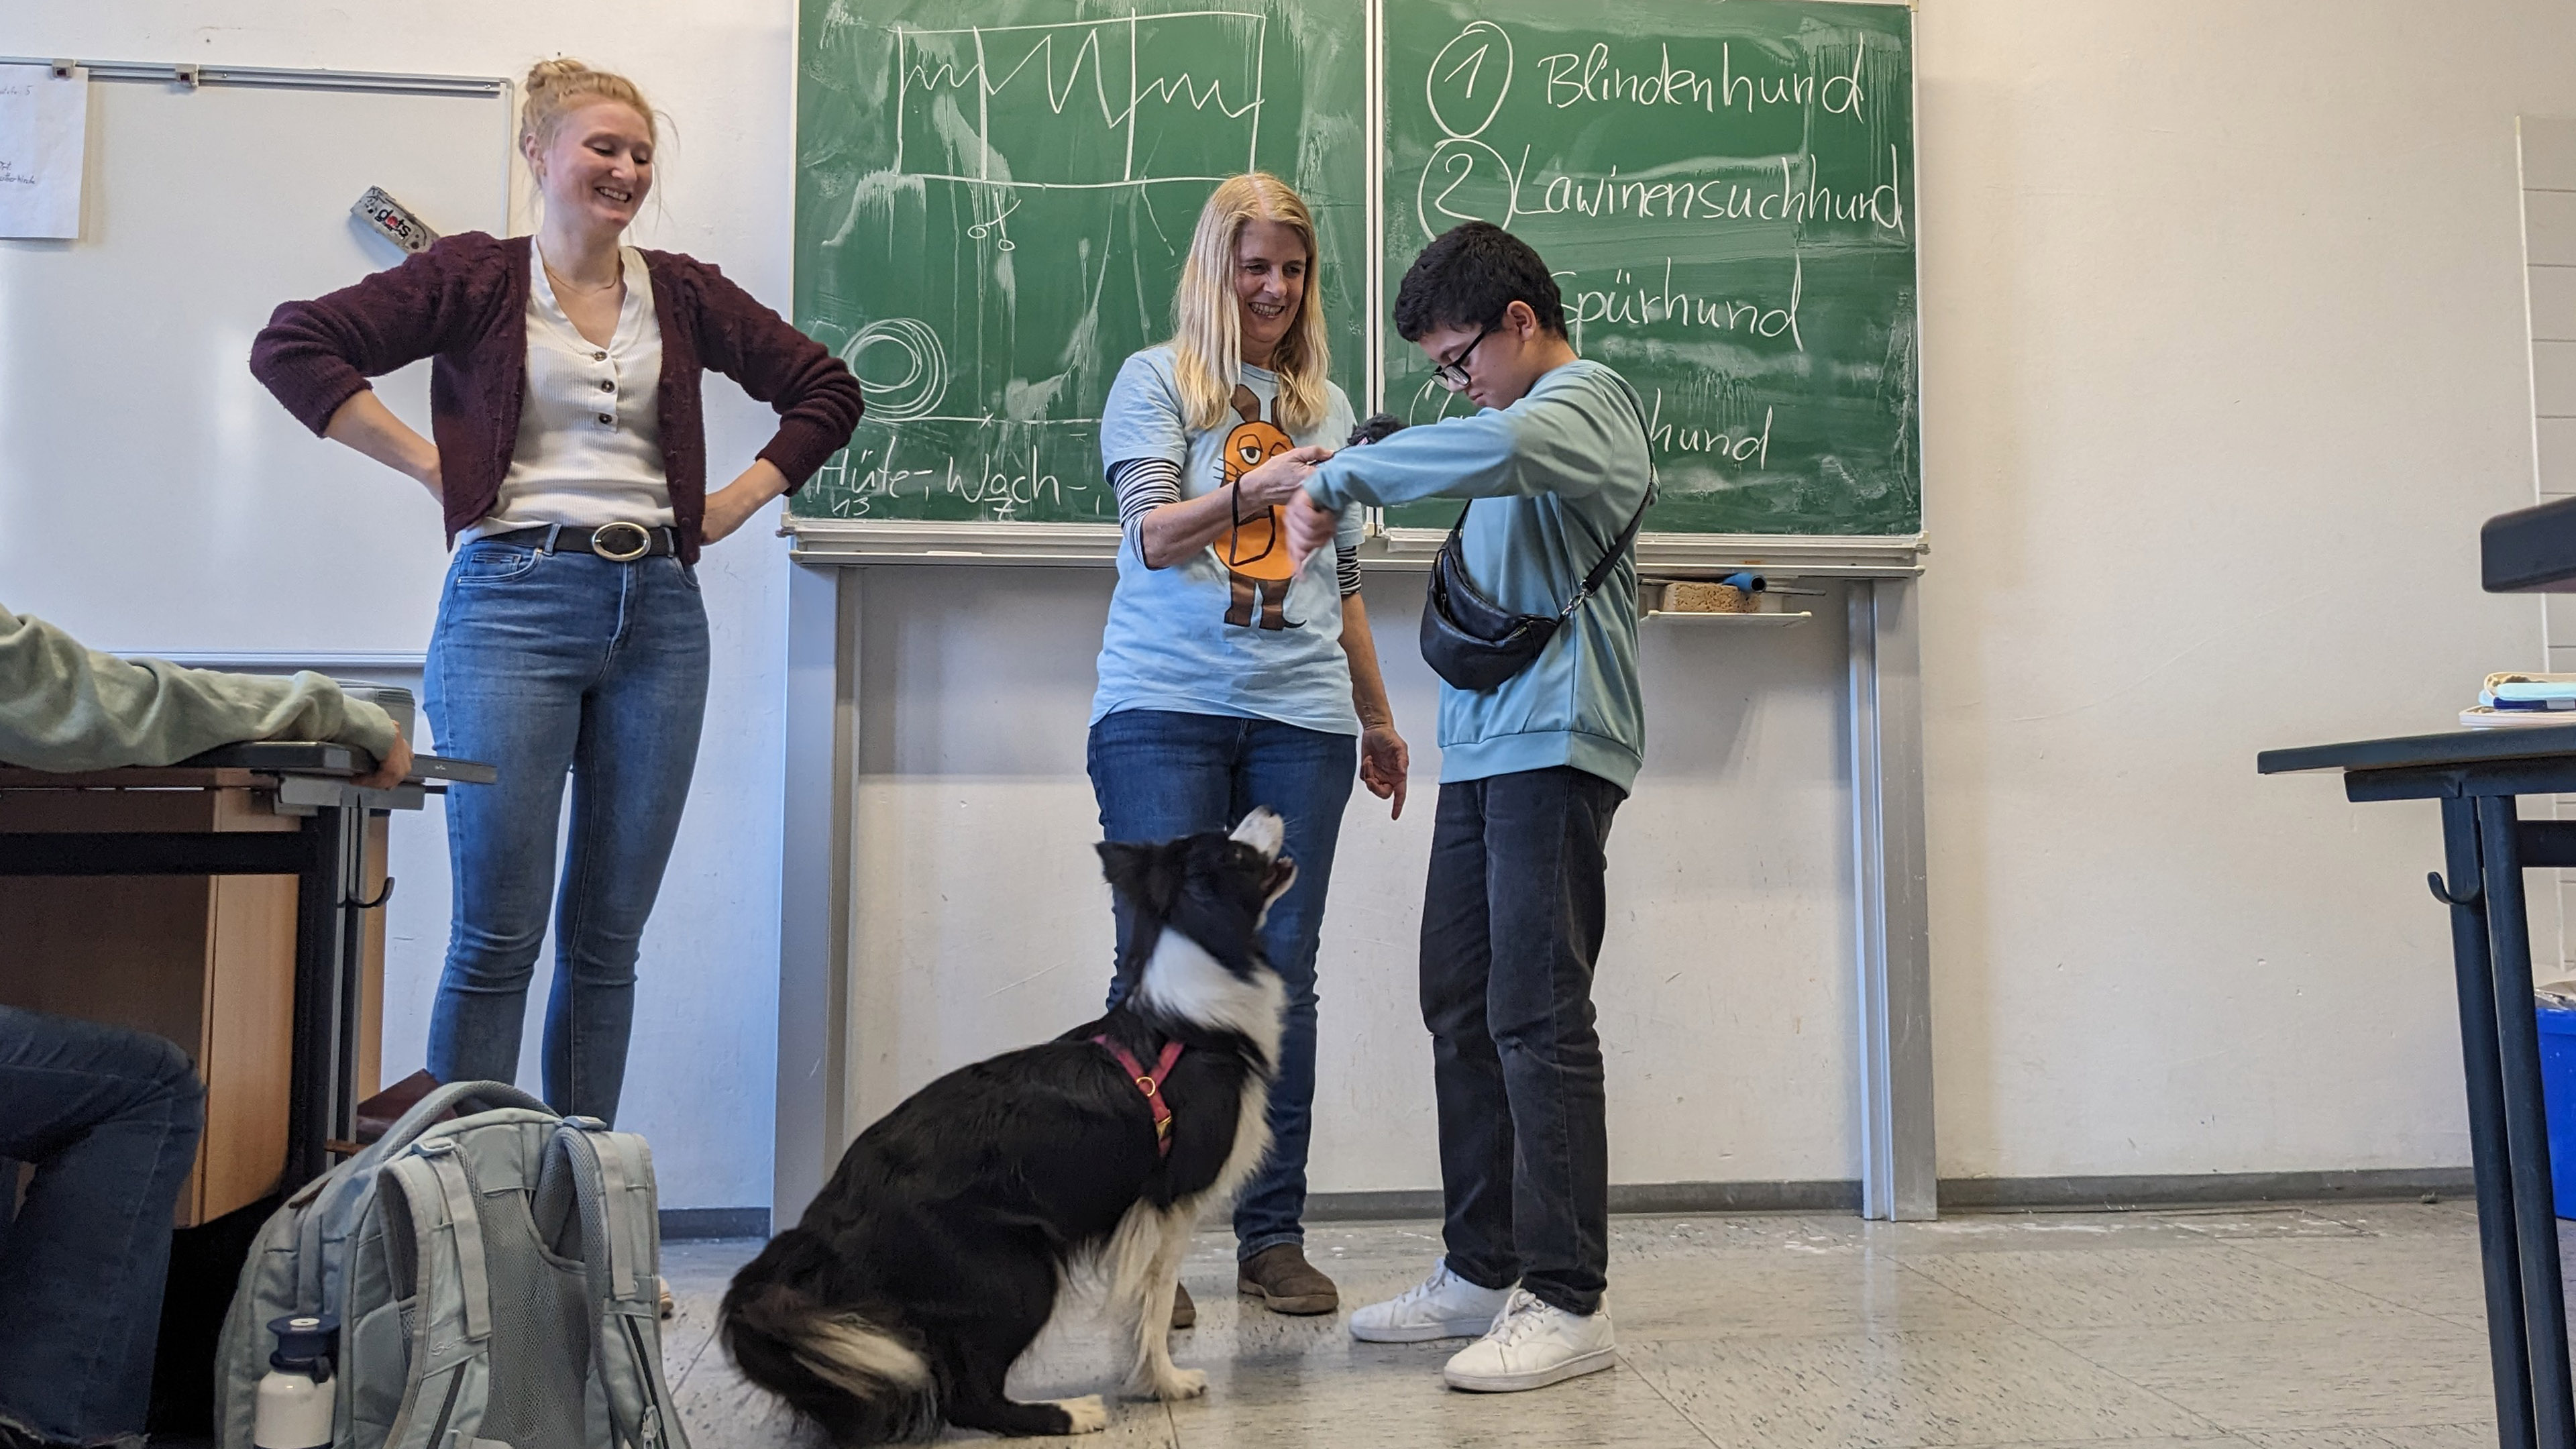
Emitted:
<point x="495" y="1281"/>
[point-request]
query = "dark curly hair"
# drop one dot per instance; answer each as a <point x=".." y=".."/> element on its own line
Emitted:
<point x="1468" y="276"/>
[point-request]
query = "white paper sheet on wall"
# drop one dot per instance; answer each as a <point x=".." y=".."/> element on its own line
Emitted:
<point x="44" y="122"/>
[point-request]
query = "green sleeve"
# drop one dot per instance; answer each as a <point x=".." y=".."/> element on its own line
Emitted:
<point x="63" y="707"/>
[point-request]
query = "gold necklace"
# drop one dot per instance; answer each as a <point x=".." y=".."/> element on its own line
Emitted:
<point x="561" y="281"/>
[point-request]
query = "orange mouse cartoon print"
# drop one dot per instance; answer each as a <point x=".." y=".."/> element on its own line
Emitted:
<point x="1255" y="549"/>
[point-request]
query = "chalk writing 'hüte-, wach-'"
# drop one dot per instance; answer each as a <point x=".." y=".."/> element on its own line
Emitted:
<point x="1006" y="485"/>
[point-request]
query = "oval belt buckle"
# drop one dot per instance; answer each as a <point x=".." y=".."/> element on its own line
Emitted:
<point x="643" y="542"/>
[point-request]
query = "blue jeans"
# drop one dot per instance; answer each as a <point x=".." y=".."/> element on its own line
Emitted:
<point x="1513" y="911"/>
<point x="545" y="664"/>
<point x="110" y="1119"/>
<point x="1160" y="775"/>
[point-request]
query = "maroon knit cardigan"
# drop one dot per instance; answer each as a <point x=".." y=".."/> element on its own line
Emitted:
<point x="465" y="303"/>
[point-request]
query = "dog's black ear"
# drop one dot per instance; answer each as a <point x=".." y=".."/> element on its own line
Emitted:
<point x="1378" y="428"/>
<point x="1142" y="873"/>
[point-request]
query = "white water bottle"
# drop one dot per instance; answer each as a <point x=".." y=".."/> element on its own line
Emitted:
<point x="296" y="1394"/>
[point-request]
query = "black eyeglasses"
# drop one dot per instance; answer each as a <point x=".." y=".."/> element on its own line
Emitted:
<point x="1453" y="373"/>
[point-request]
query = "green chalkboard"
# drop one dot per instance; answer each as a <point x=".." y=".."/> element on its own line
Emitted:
<point x="993" y="199"/>
<point x="1726" y="193"/>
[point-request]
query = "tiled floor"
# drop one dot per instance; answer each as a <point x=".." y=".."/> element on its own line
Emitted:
<point x="2344" y="1326"/>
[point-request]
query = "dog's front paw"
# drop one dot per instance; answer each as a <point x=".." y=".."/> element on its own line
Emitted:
<point x="1181" y="1384"/>
<point x="1086" y="1415"/>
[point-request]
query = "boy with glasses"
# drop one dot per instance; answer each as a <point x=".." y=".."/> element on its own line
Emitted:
<point x="1531" y="772"/>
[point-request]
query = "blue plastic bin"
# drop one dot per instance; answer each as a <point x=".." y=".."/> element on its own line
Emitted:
<point x="2558" y="1092"/>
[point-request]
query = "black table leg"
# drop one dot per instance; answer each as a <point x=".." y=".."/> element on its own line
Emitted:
<point x="316" y="1091"/>
<point x="351" y="923"/>
<point x="2507" y="1345"/>
<point x="2544" y="1299"/>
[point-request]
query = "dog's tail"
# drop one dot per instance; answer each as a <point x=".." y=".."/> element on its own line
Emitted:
<point x="858" y="1374"/>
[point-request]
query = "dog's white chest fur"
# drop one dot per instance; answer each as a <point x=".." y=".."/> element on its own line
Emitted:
<point x="1184" y="981"/>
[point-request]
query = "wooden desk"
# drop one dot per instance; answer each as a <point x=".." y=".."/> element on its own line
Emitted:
<point x="2476" y="774"/>
<point x="270" y="846"/>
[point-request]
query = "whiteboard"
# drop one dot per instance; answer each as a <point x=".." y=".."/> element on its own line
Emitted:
<point x="153" y="497"/>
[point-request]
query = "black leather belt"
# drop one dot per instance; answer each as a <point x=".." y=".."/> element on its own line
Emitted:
<point x="616" y="542"/>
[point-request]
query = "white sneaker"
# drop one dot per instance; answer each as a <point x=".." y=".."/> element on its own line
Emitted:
<point x="1443" y="1305"/>
<point x="1531" y="1346"/>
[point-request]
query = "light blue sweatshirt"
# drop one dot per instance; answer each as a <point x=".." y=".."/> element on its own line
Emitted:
<point x="1566" y="468"/>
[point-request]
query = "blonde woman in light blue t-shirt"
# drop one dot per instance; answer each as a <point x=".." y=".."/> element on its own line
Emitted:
<point x="1229" y="677"/>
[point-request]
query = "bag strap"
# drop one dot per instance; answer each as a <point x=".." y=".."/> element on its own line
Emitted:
<point x="1600" y="574"/>
<point x="439" y="1177"/>
<point x="612" y="1181"/>
<point x="407" y="1129"/>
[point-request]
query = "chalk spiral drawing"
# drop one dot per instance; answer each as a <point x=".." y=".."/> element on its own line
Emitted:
<point x="924" y="380"/>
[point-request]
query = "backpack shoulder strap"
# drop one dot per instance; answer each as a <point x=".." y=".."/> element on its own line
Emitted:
<point x="436" y="1175"/>
<point x="448" y="1372"/>
<point x="612" y="1177"/>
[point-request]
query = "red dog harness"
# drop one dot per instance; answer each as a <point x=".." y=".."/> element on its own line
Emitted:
<point x="1151" y="1084"/>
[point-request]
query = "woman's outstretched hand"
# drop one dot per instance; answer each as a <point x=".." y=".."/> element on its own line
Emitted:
<point x="1281" y="479"/>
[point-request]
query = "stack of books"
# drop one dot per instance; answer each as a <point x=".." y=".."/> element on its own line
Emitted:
<point x="2523" y="699"/>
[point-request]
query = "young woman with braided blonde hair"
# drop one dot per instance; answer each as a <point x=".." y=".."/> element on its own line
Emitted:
<point x="569" y="458"/>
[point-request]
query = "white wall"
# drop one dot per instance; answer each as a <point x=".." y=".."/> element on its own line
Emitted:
<point x="1724" y="994"/>
<point x="2225" y="361"/>
<point x="706" y="1023"/>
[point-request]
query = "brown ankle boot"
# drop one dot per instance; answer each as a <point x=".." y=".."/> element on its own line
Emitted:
<point x="1285" y="1282"/>
<point x="1184" y="1312"/>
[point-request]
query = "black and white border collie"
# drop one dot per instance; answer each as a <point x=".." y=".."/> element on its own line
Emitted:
<point x="935" y="1254"/>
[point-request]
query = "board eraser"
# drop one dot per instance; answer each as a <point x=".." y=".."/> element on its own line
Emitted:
<point x="1375" y="430"/>
<point x="393" y="220"/>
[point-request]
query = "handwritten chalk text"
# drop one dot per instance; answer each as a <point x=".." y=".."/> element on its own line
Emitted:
<point x="1628" y="303"/>
<point x="1590" y="78"/>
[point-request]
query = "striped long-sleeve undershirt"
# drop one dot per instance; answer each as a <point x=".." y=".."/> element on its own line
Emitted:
<point x="1145" y="484"/>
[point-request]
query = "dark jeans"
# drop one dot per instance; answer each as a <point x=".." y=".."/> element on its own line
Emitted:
<point x="1511" y="927"/>
<point x="550" y="665"/>
<point x="1160" y="775"/>
<point x="110" y="1119"/>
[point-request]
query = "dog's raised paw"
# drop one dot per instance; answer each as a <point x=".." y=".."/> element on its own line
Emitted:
<point x="1087" y="1415"/>
<point x="1182" y="1384"/>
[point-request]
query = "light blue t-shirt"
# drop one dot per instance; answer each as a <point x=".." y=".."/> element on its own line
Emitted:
<point x="1196" y="636"/>
<point x="1558" y="475"/>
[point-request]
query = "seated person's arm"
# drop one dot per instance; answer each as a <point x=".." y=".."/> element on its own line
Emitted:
<point x="63" y="707"/>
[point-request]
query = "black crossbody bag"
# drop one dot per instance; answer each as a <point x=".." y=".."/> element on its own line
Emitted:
<point x="1475" y="643"/>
